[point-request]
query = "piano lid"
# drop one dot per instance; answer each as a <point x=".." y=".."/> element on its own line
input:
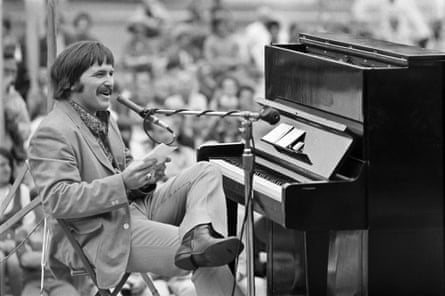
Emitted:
<point x="371" y="47"/>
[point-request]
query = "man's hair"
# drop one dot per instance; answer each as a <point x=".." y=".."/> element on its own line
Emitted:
<point x="71" y="63"/>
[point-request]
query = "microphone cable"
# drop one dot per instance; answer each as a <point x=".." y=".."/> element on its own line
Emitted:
<point x="241" y="234"/>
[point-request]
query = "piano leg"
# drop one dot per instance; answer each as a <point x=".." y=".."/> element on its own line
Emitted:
<point x="286" y="261"/>
<point x="347" y="263"/>
<point x="232" y="217"/>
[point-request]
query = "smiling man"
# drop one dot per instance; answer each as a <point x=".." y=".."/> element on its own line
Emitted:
<point x="123" y="221"/>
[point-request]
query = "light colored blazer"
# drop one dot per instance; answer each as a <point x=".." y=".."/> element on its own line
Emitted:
<point x="78" y="183"/>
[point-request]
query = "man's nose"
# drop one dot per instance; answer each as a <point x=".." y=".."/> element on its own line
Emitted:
<point x="109" y="81"/>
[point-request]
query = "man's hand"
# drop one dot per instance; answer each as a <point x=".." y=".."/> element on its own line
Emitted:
<point x="142" y="172"/>
<point x="159" y="172"/>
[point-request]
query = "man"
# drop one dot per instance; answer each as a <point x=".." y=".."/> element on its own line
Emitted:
<point x="85" y="176"/>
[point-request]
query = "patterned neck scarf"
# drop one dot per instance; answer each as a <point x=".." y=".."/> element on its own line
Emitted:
<point x="98" y="125"/>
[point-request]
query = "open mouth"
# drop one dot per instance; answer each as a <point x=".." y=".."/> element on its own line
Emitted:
<point x="105" y="90"/>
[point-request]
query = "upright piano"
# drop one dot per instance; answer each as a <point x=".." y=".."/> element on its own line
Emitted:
<point x="351" y="178"/>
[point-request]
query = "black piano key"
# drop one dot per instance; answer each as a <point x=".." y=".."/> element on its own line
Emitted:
<point x="262" y="171"/>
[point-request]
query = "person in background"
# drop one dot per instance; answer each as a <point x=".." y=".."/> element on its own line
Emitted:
<point x="246" y="95"/>
<point x="16" y="47"/>
<point x="30" y="254"/>
<point x="82" y="24"/>
<point x="10" y="42"/>
<point x="17" y="121"/>
<point x="257" y="36"/>
<point x="399" y="21"/>
<point x="141" y="51"/>
<point x="186" y="96"/>
<point x="225" y="99"/>
<point x="274" y="26"/>
<point x="294" y="32"/>
<point x="11" y="267"/>
<point x="221" y="49"/>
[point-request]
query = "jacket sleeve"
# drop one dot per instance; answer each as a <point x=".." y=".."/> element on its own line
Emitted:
<point x="57" y="177"/>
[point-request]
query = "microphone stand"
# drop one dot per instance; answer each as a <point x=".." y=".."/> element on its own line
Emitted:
<point x="249" y="167"/>
<point x="248" y="158"/>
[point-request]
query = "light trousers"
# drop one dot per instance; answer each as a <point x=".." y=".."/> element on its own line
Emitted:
<point x="159" y="223"/>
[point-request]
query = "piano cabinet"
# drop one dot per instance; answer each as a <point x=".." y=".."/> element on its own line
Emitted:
<point x="366" y="214"/>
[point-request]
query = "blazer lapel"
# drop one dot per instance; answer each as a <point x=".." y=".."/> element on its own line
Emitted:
<point x="116" y="145"/>
<point x="86" y="133"/>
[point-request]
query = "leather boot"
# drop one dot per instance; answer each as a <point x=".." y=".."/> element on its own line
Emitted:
<point x="204" y="247"/>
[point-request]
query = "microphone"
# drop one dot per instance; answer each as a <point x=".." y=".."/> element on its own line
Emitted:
<point x="124" y="100"/>
<point x="269" y="115"/>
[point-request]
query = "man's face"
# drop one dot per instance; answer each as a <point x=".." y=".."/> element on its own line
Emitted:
<point x="97" y="86"/>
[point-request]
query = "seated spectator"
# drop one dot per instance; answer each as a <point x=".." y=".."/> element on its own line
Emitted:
<point x="256" y="36"/>
<point x="207" y="83"/>
<point x="274" y="26"/>
<point x="10" y="41"/>
<point x="393" y="20"/>
<point x="181" y="49"/>
<point x="226" y="95"/>
<point x="17" y="122"/>
<point x="82" y="25"/>
<point x="11" y="268"/>
<point x="246" y="95"/>
<point x="30" y="259"/>
<point x="186" y="96"/>
<point x="293" y="32"/>
<point x="225" y="99"/>
<point x="221" y="49"/>
<point x="142" y="49"/>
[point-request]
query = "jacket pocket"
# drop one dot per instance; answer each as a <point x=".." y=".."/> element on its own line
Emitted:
<point x="86" y="228"/>
<point x="89" y="238"/>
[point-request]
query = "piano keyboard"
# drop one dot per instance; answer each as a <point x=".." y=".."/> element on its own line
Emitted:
<point x="263" y="181"/>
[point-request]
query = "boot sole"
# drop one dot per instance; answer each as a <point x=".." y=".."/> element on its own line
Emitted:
<point x="217" y="254"/>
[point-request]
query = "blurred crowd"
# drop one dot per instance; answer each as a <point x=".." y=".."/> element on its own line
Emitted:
<point x="205" y="61"/>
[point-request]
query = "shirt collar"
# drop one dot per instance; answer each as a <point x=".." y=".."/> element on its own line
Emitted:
<point x="98" y="124"/>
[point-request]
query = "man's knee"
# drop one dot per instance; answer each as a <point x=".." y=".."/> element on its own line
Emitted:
<point x="208" y="169"/>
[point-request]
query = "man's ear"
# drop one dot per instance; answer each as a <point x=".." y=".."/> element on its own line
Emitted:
<point x="77" y="87"/>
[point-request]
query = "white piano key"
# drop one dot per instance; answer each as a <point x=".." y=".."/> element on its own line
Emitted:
<point x="261" y="185"/>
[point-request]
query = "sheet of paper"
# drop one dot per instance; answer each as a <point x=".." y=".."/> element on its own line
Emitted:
<point x="160" y="152"/>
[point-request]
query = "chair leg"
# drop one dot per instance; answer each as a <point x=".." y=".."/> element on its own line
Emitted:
<point x="119" y="286"/>
<point x="2" y="275"/>
<point x="148" y="280"/>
